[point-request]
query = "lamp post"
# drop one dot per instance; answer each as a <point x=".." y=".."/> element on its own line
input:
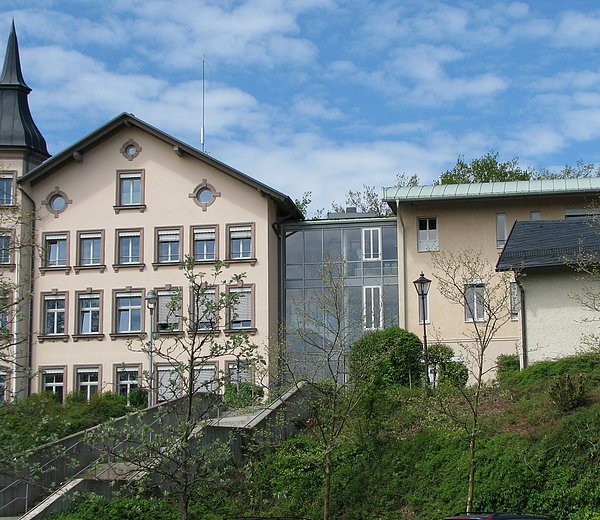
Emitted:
<point x="422" y="285"/>
<point x="151" y="301"/>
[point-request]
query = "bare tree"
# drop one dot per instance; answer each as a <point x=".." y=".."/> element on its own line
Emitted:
<point x="467" y="279"/>
<point x="175" y="454"/>
<point x="326" y="324"/>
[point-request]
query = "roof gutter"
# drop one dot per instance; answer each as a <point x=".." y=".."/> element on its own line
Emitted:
<point x="524" y="353"/>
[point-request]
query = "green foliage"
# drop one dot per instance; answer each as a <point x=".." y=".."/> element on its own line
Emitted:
<point x="568" y="391"/>
<point x="242" y="395"/>
<point x="390" y="356"/>
<point x="138" y="398"/>
<point x="507" y="364"/>
<point x="454" y="373"/>
<point x="98" y="508"/>
<point x="486" y="168"/>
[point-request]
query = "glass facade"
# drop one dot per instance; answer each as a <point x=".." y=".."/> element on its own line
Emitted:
<point x="340" y="280"/>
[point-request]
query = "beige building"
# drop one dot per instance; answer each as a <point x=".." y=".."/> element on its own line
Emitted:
<point x="479" y="217"/>
<point x="115" y="215"/>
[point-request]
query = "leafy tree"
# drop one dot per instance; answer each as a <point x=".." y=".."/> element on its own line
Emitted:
<point x="486" y="168"/>
<point x="466" y="278"/>
<point x="369" y="201"/>
<point x="392" y="355"/>
<point x="176" y="454"/>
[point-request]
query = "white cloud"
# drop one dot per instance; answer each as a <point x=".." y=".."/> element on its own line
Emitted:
<point x="578" y="29"/>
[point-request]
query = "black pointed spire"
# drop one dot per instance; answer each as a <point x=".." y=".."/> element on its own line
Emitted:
<point x="17" y="129"/>
<point x="11" y="73"/>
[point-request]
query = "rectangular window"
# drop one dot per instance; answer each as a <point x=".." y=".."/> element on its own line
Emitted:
<point x="6" y="189"/>
<point x="129" y="312"/>
<point x="535" y="215"/>
<point x="53" y="381"/>
<point x="475" y="302"/>
<point x="515" y="301"/>
<point x="89" y="314"/>
<point x="427" y="234"/>
<point x="5" y="308"/>
<point x="3" y="386"/>
<point x="238" y="371"/>
<point x="240" y="242"/>
<point x="205" y="378"/>
<point x="168" y="242"/>
<point x="500" y="229"/>
<point x="372" y="308"/>
<point x="130" y="189"/>
<point x="204" y="308"/>
<point x="423" y="302"/>
<point x="5" y="248"/>
<point x="87" y="381"/>
<point x="127" y="380"/>
<point x="55" y="250"/>
<point x="371" y="244"/>
<point x="241" y="314"/>
<point x="204" y="244"/>
<point x="167" y="387"/>
<point x="54" y="315"/>
<point x="90" y="248"/>
<point x="168" y="311"/>
<point x="129" y="247"/>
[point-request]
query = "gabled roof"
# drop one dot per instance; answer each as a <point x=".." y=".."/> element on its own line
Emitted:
<point x="551" y="243"/>
<point x="17" y="128"/>
<point x="74" y="152"/>
<point x="483" y="190"/>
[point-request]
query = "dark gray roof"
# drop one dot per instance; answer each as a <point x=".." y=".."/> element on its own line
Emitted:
<point x="551" y="243"/>
<point x="287" y="208"/>
<point x="17" y="129"/>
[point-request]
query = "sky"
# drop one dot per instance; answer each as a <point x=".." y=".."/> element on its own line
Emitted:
<point x="323" y="95"/>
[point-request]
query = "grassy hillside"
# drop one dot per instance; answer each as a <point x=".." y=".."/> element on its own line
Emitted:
<point x="402" y="457"/>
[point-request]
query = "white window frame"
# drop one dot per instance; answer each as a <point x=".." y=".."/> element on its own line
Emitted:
<point x="171" y="239"/>
<point x="130" y="257"/>
<point x="430" y="242"/>
<point x="130" y="383"/>
<point x="471" y="308"/>
<point x="203" y="236"/>
<point x="7" y="197"/>
<point x="87" y="387"/>
<point x="371" y="312"/>
<point x="199" y="383"/>
<point x="88" y="310"/>
<point x="52" y="244"/>
<point x="54" y="385"/>
<point x="515" y="301"/>
<point x="5" y="247"/>
<point x="371" y="248"/>
<point x="55" y="312"/>
<point x="89" y="241"/>
<point x="238" y="237"/>
<point x="129" y="309"/>
<point x="241" y="315"/>
<point x="167" y="319"/>
<point x="500" y="230"/>
<point x="127" y="180"/>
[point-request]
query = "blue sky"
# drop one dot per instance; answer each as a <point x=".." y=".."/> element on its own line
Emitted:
<point x="323" y="95"/>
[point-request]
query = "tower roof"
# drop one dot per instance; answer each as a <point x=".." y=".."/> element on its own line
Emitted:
<point x="17" y="128"/>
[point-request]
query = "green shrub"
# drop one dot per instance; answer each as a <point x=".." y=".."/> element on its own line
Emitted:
<point x="507" y="364"/>
<point x="454" y="373"/>
<point x="568" y="391"/>
<point x="241" y="395"/>
<point x="390" y="356"/>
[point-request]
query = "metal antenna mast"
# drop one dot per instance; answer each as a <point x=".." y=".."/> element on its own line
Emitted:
<point x="202" y="128"/>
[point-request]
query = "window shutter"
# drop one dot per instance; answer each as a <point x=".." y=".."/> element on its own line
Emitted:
<point x="204" y="234"/>
<point x="243" y="308"/>
<point x="469" y="302"/>
<point x="240" y="232"/>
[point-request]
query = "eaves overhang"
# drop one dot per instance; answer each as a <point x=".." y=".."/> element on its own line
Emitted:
<point x="76" y="151"/>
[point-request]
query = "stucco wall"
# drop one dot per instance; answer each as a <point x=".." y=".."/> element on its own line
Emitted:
<point x="556" y="323"/>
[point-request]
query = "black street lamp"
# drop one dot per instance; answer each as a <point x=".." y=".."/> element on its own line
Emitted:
<point x="151" y="301"/>
<point x="422" y="285"/>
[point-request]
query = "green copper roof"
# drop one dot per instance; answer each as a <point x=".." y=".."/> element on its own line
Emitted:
<point x="491" y="190"/>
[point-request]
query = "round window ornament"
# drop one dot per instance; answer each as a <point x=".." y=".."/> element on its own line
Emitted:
<point x="130" y="150"/>
<point x="204" y="194"/>
<point x="57" y="201"/>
